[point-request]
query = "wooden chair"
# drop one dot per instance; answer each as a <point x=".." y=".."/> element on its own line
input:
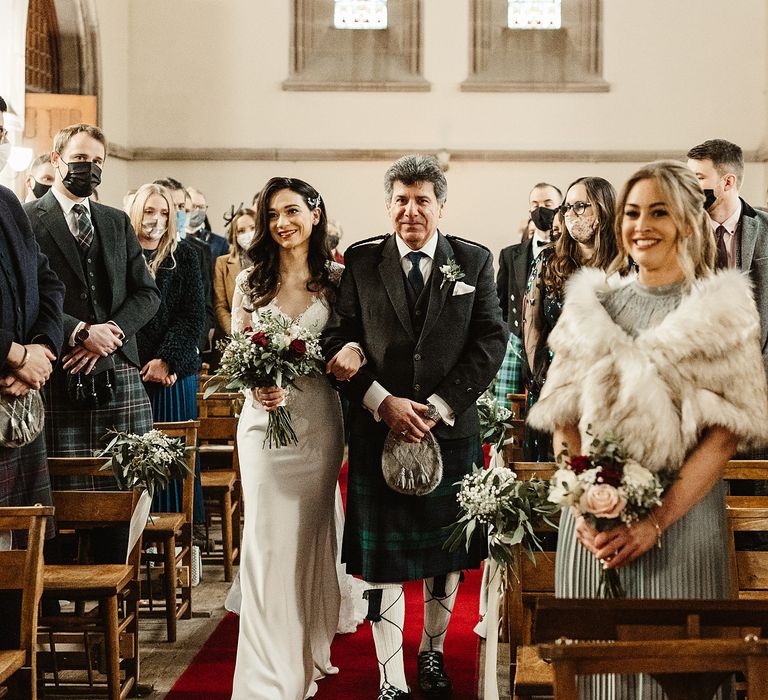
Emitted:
<point x="114" y="587"/>
<point x="165" y="530"/>
<point x="21" y="586"/>
<point x="529" y="582"/>
<point x="217" y="434"/>
<point x="689" y="646"/>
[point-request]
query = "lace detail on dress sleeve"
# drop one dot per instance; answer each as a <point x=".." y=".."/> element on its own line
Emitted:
<point x="335" y="271"/>
<point x="241" y="303"/>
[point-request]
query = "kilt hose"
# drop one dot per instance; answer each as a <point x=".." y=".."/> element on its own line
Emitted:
<point x="392" y="538"/>
<point x="71" y="431"/>
<point x="24" y="479"/>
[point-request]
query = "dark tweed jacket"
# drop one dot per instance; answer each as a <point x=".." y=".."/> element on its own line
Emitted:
<point x="172" y="333"/>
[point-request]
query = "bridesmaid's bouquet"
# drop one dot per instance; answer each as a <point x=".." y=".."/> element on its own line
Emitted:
<point x="274" y="352"/>
<point x="608" y="489"/>
<point x="495" y="504"/>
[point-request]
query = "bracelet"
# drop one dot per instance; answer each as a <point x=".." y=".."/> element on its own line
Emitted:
<point x="23" y="359"/>
<point x="659" y="531"/>
<point x="358" y="351"/>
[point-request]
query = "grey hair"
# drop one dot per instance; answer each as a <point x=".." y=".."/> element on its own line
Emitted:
<point x="415" y="168"/>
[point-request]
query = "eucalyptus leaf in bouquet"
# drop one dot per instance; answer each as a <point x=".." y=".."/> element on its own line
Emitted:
<point x="147" y="462"/>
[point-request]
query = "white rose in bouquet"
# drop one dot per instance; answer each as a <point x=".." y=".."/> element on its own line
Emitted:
<point x="565" y="489"/>
<point x="637" y="476"/>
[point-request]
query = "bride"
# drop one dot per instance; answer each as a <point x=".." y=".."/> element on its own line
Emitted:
<point x="290" y="586"/>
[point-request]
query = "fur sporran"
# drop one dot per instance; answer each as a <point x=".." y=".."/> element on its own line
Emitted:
<point x="21" y="419"/>
<point x="413" y="469"/>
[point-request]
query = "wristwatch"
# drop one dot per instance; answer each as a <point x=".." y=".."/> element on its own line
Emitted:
<point x="432" y="413"/>
<point x="82" y="335"/>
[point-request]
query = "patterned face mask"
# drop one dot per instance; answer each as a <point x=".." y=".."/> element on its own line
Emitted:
<point x="582" y="228"/>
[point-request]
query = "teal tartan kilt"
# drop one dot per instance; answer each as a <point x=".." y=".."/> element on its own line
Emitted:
<point x="389" y="537"/>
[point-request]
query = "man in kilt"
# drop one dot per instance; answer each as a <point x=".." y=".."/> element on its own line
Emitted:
<point x="416" y="336"/>
<point x="110" y="295"/>
<point x="30" y="337"/>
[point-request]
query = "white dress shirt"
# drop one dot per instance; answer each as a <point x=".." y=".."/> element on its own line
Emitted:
<point x="376" y="392"/>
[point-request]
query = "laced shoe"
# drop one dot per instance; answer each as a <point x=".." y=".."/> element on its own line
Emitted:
<point x="433" y="680"/>
<point x="390" y="692"/>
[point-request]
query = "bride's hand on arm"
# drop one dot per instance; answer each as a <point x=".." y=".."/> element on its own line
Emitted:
<point x="700" y="472"/>
<point x="270" y="397"/>
<point x="344" y="364"/>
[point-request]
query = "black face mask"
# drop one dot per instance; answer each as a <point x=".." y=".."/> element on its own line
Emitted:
<point x="82" y="178"/>
<point x="39" y="189"/>
<point x="542" y="218"/>
<point x="709" y="199"/>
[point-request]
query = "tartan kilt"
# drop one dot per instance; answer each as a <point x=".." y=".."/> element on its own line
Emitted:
<point x="390" y="537"/>
<point x="24" y="479"/>
<point x="75" y="432"/>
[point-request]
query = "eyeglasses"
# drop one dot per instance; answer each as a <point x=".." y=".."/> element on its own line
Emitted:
<point x="578" y="208"/>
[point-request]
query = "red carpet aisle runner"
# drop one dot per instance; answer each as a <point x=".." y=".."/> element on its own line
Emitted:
<point x="209" y="676"/>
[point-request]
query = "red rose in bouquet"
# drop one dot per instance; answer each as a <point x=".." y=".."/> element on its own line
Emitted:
<point x="298" y="347"/>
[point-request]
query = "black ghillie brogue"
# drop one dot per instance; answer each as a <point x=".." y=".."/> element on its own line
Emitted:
<point x="433" y="680"/>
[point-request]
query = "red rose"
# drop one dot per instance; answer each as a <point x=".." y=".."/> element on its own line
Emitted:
<point x="611" y="476"/>
<point x="260" y="338"/>
<point x="298" y="347"/>
<point x="579" y="463"/>
<point x="247" y="329"/>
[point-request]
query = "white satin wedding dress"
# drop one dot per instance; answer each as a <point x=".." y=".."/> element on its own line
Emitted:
<point x="289" y="581"/>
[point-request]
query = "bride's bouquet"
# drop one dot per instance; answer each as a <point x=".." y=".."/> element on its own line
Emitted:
<point x="274" y="352"/>
<point x="608" y="489"/>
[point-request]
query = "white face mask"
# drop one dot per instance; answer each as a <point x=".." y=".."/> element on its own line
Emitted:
<point x="153" y="229"/>
<point x="5" y="154"/>
<point x="244" y="239"/>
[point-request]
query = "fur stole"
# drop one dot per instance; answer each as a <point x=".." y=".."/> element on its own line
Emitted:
<point x="700" y="367"/>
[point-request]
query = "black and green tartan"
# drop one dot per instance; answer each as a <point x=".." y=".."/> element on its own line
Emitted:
<point x="389" y="537"/>
<point x="71" y="431"/>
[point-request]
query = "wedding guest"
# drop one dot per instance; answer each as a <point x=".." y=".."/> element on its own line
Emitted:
<point x="198" y="226"/>
<point x="335" y="232"/>
<point x="515" y="261"/>
<point x="167" y="343"/>
<point x="109" y="296"/>
<point x="31" y="335"/>
<point x="39" y="178"/>
<point x="432" y="342"/>
<point x="290" y="588"/>
<point x="670" y="362"/>
<point x="242" y="228"/>
<point x="181" y="202"/>
<point x="587" y="241"/>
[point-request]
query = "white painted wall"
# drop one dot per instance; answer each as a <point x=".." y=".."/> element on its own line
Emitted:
<point x="191" y="73"/>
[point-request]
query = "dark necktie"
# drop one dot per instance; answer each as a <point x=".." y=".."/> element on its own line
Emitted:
<point x="415" y="277"/>
<point x="722" y="249"/>
<point x="84" y="226"/>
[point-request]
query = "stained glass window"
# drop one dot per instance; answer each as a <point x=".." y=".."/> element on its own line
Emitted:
<point x="533" y="14"/>
<point x="360" y="14"/>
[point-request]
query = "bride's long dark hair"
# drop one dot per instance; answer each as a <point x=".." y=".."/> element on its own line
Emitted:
<point x="265" y="277"/>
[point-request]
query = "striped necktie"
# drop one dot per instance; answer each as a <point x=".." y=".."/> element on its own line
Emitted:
<point x="84" y="226"/>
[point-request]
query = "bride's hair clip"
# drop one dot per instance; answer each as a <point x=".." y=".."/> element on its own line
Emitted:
<point x="314" y="202"/>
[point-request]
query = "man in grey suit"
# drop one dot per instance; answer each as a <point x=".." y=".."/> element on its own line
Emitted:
<point x="420" y="310"/>
<point x="110" y="295"/>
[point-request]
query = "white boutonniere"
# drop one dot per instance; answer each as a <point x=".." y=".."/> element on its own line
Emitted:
<point x="451" y="272"/>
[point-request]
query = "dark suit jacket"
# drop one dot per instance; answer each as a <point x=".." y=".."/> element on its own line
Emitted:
<point x="41" y="293"/>
<point x="217" y="244"/>
<point x="460" y="347"/>
<point x="753" y="257"/>
<point x="514" y="267"/>
<point x="134" y="296"/>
